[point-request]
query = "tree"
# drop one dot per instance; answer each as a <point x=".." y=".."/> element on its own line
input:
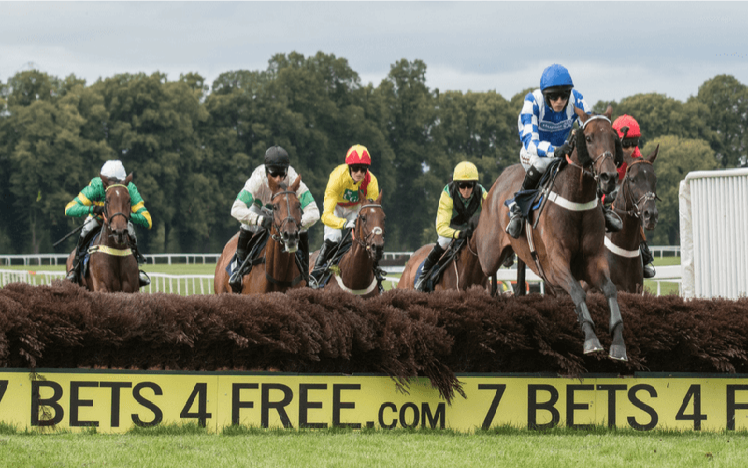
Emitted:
<point x="726" y="99"/>
<point x="676" y="158"/>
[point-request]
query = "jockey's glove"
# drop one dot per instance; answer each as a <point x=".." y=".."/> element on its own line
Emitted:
<point x="464" y="234"/>
<point x="562" y="150"/>
<point x="97" y="210"/>
<point x="265" y="222"/>
<point x="350" y="224"/>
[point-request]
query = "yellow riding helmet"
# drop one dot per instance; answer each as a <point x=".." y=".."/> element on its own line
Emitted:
<point x="465" y="171"/>
<point x="358" y="154"/>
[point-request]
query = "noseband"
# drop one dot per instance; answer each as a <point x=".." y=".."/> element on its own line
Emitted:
<point x="628" y="194"/>
<point x="286" y="220"/>
<point x="374" y="232"/>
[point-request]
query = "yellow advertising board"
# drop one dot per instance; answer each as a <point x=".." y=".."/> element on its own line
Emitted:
<point x="115" y="401"/>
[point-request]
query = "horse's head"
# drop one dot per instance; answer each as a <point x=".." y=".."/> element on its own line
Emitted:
<point x="286" y="214"/>
<point x="369" y="230"/>
<point x="117" y="207"/>
<point x="639" y="190"/>
<point x="598" y="146"/>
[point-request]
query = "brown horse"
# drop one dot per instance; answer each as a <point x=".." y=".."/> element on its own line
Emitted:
<point x="567" y="243"/>
<point x="112" y="266"/>
<point x="356" y="267"/>
<point x="636" y="204"/>
<point x="463" y="271"/>
<point x="279" y="271"/>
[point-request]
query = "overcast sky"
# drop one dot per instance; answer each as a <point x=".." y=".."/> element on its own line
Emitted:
<point x="612" y="49"/>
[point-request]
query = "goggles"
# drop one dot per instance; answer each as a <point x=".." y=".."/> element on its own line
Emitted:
<point x="629" y="142"/>
<point x="359" y="168"/>
<point x="276" y="172"/>
<point x="555" y="96"/>
<point x="465" y="185"/>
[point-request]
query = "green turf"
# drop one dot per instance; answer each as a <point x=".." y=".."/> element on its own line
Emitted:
<point x="561" y="447"/>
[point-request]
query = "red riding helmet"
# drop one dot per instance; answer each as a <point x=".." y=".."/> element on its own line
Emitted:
<point x="627" y="127"/>
<point x="358" y="154"/>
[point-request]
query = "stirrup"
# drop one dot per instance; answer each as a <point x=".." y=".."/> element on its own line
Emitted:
<point x="143" y="278"/>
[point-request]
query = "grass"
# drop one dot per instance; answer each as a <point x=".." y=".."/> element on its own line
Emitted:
<point x="241" y="446"/>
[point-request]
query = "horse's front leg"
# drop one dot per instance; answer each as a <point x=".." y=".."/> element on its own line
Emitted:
<point x="600" y="278"/>
<point x="572" y="286"/>
<point x="617" y="346"/>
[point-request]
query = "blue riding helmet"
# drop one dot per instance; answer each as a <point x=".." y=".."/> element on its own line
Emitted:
<point x="555" y="76"/>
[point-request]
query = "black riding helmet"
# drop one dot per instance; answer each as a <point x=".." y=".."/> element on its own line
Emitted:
<point x="276" y="160"/>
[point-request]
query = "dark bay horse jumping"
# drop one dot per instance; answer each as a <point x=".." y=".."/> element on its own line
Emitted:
<point x="636" y="204"/>
<point x="568" y="238"/>
<point x="463" y="271"/>
<point x="112" y="266"/>
<point x="356" y="268"/>
<point x="279" y="271"/>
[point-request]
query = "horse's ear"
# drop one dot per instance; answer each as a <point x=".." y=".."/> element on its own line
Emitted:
<point x="379" y="198"/>
<point x="295" y="186"/>
<point x="653" y="155"/>
<point x="608" y="112"/>
<point x="128" y="179"/>
<point x="104" y="180"/>
<point x="581" y="114"/>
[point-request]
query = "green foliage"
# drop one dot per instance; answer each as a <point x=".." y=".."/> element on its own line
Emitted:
<point x="192" y="146"/>
<point x="676" y="158"/>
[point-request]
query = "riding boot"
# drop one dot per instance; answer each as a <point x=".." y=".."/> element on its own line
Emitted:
<point x="241" y="254"/>
<point x="319" y="266"/>
<point x="613" y="222"/>
<point x="434" y="256"/>
<point x="302" y="255"/>
<point x="647" y="259"/>
<point x="75" y="272"/>
<point x="517" y="219"/>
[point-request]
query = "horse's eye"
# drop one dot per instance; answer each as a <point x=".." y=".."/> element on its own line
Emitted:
<point x="363" y="219"/>
<point x="587" y="138"/>
<point x="275" y="207"/>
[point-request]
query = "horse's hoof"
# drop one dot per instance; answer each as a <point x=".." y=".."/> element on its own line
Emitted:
<point x="593" y="346"/>
<point x="618" y="353"/>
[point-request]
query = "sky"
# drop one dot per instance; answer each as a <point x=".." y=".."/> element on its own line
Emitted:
<point x="612" y="49"/>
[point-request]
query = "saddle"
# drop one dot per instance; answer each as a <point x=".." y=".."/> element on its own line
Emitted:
<point x="437" y="271"/>
<point x="532" y="199"/>
<point x="256" y="244"/>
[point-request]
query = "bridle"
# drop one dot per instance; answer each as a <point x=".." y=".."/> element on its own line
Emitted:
<point x="364" y="240"/>
<point x="108" y="218"/>
<point x="287" y="219"/>
<point x="628" y="194"/>
<point x="596" y="162"/>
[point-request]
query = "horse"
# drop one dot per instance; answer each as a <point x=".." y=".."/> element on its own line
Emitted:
<point x="636" y="204"/>
<point x="567" y="244"/>
<point x="112" y="266"/>
<point x="355" y="271"/>
<point x="278" y="271"/>
<point x="463" y="271"/>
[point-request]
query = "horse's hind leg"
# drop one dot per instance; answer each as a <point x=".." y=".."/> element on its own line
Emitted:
<point x="617" y="347"/>
<point x="591" y="343"/>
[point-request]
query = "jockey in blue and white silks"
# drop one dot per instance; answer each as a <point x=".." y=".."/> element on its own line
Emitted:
<point x="544" y="124"/>
<point x="542" y="130"/>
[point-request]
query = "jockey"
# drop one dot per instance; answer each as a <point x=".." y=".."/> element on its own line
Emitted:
<point x="460" y="200"/>
<point x="90" y="202"/>
<point x="629" y="132"/>
<point x="348" y="188"/>
<point x="247" y="209"/>
<point x="544" y="124"/>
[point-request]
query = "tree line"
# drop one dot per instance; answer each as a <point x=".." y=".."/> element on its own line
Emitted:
<point x="192" y="146"/>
